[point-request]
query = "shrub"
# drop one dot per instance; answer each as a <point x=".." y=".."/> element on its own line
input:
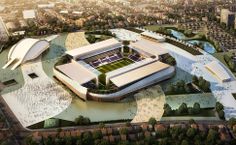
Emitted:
<point x="152" y="121"/>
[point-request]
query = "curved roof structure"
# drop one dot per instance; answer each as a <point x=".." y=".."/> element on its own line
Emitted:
<point x="25" y="50"/>
<point x="215" y="68"/>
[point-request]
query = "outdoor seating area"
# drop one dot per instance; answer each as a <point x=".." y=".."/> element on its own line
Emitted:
<point x="135" y="57"/>
<point x="106" y="60"/>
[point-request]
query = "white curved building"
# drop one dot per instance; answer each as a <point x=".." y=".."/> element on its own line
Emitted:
<point x="25" y="50"/>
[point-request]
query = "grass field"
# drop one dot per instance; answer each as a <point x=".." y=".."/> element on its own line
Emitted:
<point x="114" y="65"/>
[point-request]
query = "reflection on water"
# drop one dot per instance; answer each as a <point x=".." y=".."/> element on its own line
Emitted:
<point x="100" y="111"/>
<point x="208" y="47"/>
<point x="177" y="34"/>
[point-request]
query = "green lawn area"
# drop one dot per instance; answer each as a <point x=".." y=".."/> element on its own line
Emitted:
<point x="220" y="57"/>
<point x="114" y="65"/>
<point x="206" y="112"/>
<point x="206" y="100"/>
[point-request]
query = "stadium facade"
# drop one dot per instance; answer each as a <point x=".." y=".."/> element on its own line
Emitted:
<point x="109" y="71"/>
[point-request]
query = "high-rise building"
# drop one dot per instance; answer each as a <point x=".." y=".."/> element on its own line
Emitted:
<point x="4" y="35"/>
<point x="227" y="17"/>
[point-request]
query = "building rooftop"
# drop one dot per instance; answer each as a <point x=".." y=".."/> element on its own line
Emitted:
<point x="29" y="14"/>
<point x="218" y="70"/>
<point x="146" y="46"/>
<point x="96" y="47"/>
<point x="77" y="72"/>
<point x="153" y="35"/>
<point x="139" y="73"/>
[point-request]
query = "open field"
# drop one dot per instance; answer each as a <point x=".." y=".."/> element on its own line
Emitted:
<point x="115" y="65"/>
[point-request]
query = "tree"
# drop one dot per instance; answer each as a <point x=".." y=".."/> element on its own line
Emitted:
<point x="101" y="125"/>
<point x="232" y="122"/>
<point x="170" y="89"/>
<point x="79" y="120"/>
<point x="184" y="142"/>
<point x="97" y="134"/>
<point x="104" y="142"/>
<point x="127" y="124"/>
<point x="87" y="138"/>
<point x="191" y="121"/>
<point x="212" y="137"/>
<point x="28" y="140"/>
<point x="183" y="109"/>
<point x="167" y="110"/>
<point x="82" y="120"/>
<point x="195" y="79"/>
<point x="163" y="141"/>
<point x="196" y="108"/>
<point x="123" y="143"/>
<point x="126" y="43"/>
<point x="219" y="106"/>
<point x="221" y="114"/>
<point x="191" y="132"/>
<point x="152" y="121"/>
<point x="123" y="131"/>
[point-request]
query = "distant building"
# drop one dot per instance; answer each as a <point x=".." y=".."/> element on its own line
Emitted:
<point x="29" y="14"/>
<point x="46" y="6"/>
<point x="4" y="35"/>
<point x="227" y="17"/>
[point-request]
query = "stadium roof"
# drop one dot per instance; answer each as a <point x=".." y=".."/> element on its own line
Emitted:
<point x="218" y="70"/>
<point x="96" y="47"/>
<point x="153" y="35"/>
<point x="76" y="72"/>
<point x="139" y="73"/>
<point x="150" y="47"/>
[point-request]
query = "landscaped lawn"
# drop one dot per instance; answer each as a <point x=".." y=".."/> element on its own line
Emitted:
<point x="220" y="57"/>
<point x="206" y="100"/>
<point x="114" y="65"/>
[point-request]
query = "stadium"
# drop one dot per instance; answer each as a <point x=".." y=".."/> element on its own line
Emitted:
<point x="109" y="70"/>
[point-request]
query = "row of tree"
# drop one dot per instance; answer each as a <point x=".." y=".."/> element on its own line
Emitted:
<point x="203" y="84"/>
<point x="81" y="120"/>
<point x="220" y="110"/>
<point x="181" y="87"/>
<point x="182" y="110"/>
<point x="229" y="59"/>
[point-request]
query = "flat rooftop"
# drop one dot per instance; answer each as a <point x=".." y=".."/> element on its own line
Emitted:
<point x="96" y="47"/>
<point x="153" y="35"/>
<point x="150" y="47"/>
<point x="139" y="73"/>
<point x="77" y="72"/>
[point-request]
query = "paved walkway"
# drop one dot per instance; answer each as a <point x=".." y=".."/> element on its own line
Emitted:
<point x="150" y="103"/>
<point x="39" y="99"/>
<point x="75" y="40"/>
